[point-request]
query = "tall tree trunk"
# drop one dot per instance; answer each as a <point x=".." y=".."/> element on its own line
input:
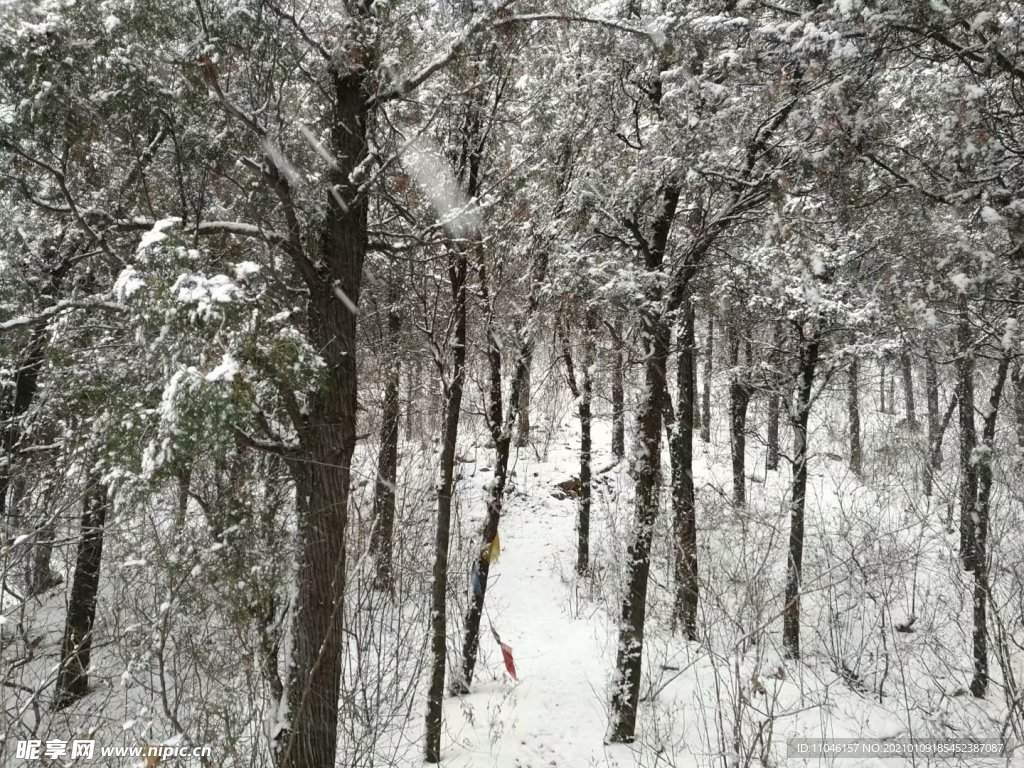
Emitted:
<point x="42" y="575"/>
<point x="907" y="367"/>
<point x="647" y="469"/>
<point x="381" y="541"/>
<point x="73" y="674"/>
<point x="979" y="684"/>
<point x="683" y="502"/>
<point x="184" y="478"/>
<point x="457" y="269"/>
<point x="618" y="395"/>
<point x="935" y="452"/>
<point x="881" y="386"/>
<point x="582" y="391"/>
<point x="322" y="467"/>
<point x="968" y="438"/>
<point x="709" y="362"/>
<point x="539" y="272"/>
<point x="774" y="414"/>
<point x="413" y="405"/>
<point x="525" y="395"/>
<point x="1018" y="402"/>
<point x="774" y="401"/>
<point x="583" y="529"/>
<point x="808" y="351"/>
<point x="739" y="399"/>
<point x="853" y="413"/>
<point x="14" y="408"/>
<point x="931" y="384"/>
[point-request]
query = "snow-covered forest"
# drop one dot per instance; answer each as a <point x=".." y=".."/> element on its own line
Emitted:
<point x="511" y="383"/>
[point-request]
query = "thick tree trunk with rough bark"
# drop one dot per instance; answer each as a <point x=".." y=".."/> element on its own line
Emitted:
<point x="321" y="466"/>
<point x="73" y="674"/>
<point x="683" y="501"/>
<point x="808" y="351"/>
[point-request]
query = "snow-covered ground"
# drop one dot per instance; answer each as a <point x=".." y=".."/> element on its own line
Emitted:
<point x="874" y="560"/>
<point x="877" y="554"/>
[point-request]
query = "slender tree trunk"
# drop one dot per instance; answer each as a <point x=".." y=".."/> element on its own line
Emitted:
<point x="968" y="439"/>
<point x="381" y="542"/>
<point x="695" y="386"/>
<point x="184" y="479"/>
<point x="935" y="454"/>
<point x="979" y="684"/>
<point x="853" y="412"/>
<point x="42" y="576"/>
<point x="683" y="502"/>
<point x="582" y="390"/>
<point x="808" y="350"/>
<point x="413" y="404"/>
<point x="774" y="414"/>
<point x="907" y="367"/>
<point x="1018" y="402"/>
<point x="525" y="394"/>
<point x="585" y="400"/>
<point x="881" y="386"/>
<point x="73" y="674"/>
<point x="583" y="532"/>
<point x="931" y="383"/>
<point x="774" y="402"/>
<point x="538" y="273"/>
<point x="709" y="358"/>
<point x="739" y="399"/>
<point x="618" y="396"/>
<point x="626" y="693"/>
<point x="655" y="335"/>
<point x="439" y="588"/>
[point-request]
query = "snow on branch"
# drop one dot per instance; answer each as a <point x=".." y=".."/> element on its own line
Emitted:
<point x="45" y="315"/>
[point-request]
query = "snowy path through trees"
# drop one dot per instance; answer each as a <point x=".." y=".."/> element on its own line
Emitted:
<point x="556" y="714"/>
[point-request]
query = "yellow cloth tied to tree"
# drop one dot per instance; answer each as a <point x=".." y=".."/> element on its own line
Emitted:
<point x="492" y="551"/>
